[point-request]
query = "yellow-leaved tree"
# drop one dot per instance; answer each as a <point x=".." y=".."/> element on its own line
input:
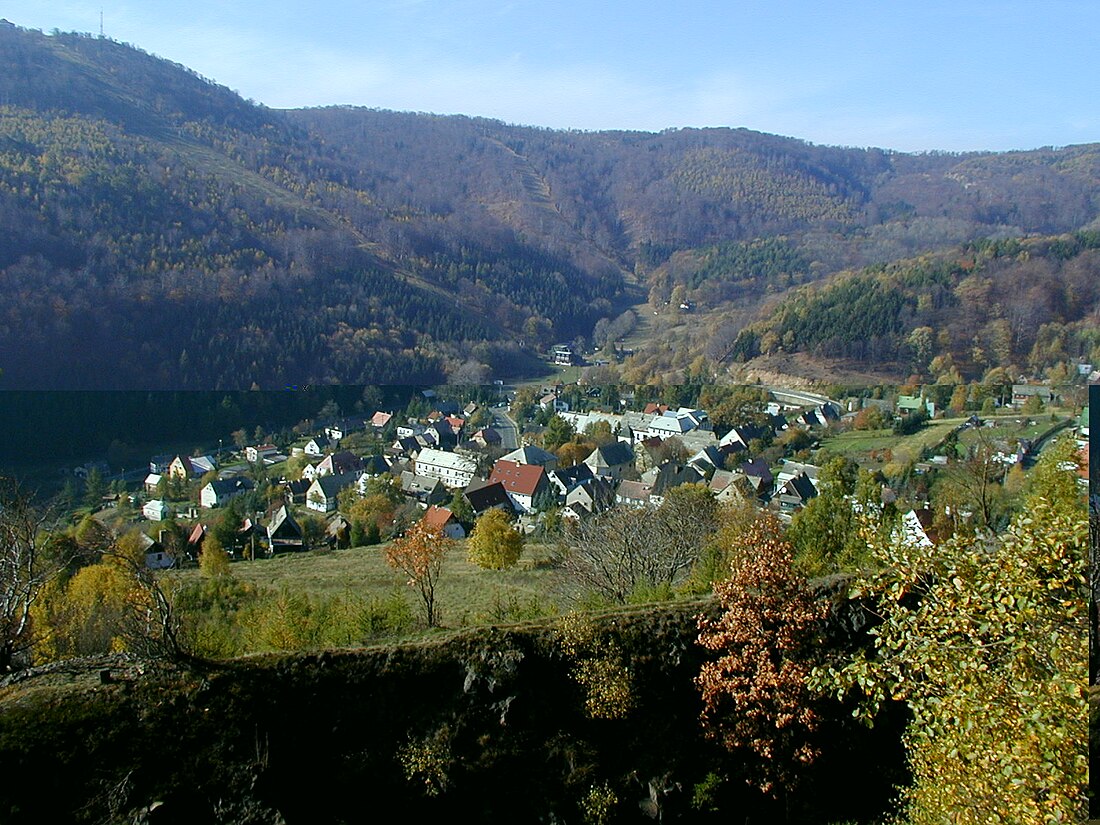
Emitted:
<point x="983" y="637"/>
<point x="494" y="544"/>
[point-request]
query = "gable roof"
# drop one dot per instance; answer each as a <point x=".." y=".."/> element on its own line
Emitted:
<point x="486" y="496"/>
<point x="230" y="486"/>
<point x="341" y="462"/>
<point x="799" y="487"/>
<point x="614" y="454"/>
<point x="282" y="520"/>
<point x="441" y="458"/>
<point x="333" y="483"/>
<point x="530" y="454"/>
<point x="519" y="479"/>
<point x="438" y="517"/>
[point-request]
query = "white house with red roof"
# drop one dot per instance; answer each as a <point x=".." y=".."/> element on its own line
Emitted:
<point x="522" y="482"/>
<point x="442" y="519"/>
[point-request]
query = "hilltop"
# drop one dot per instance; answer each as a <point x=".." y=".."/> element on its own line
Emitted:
<point x="162" y="232"/>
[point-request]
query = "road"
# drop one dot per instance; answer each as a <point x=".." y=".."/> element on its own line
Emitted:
<point x="509" y="432"/>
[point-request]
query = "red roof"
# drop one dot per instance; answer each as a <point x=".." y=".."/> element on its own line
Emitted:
<point x="521" y="479"/>
<point x="438" y="517"/>
<point x="381" y="419"/>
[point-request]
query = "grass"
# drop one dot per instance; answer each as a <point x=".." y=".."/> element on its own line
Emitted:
<point x="858" y="443"/>
<point x="466" y="593"/>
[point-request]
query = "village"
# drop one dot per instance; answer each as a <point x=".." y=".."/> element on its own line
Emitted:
<point x="556" y="455"/>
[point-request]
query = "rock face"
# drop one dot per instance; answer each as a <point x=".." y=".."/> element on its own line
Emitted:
<point x="491" y="723"/>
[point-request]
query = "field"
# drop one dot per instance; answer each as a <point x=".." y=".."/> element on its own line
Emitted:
<point x="858" y="444"/>
<point x="466" y="594"/>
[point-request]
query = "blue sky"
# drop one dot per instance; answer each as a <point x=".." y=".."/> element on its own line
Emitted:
<point x="910" y="75"/>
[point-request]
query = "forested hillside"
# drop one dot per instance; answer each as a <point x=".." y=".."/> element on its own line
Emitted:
<point x="1012" y="306"/>
<point x="161" y="232"/>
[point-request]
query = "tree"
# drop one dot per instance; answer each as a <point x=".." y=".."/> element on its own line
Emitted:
<point x="419" y="554"/>
<point x="974" y="486"/>
<point x="494" y="544"/>
<point x="558" y="431"/>
<point x="756" y="695"/>
<point x="624" y="553"/>
<point x="94" y="488"/>
<point x="461" y="508"/>
<point x="982" y="640"/>
<point x="213" y="561"/>
<point x="27" y="568"/>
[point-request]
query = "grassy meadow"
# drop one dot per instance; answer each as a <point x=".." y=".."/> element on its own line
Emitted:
<point x="466" y="594"/>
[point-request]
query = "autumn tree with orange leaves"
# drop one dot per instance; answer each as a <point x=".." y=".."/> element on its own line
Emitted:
<point x="767" y="638"/>
<point x="419" y="555"/>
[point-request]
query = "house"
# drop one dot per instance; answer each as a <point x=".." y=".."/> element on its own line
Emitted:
<point x="261" y="452"/>
<point x="486" y="437"/>
<point x="374" y="466"/>
<point x="744" y="434"/>
<point x="566" y="480"/>
<point x="195" y="539"/>
<point x="283" y="532"/>
<point x="668" y="425"/>
<point x="155" y="510"/>
<point x="406" y="446"/>
<point x="634" y="494"/>
<point x="732" y="485"/>
<point x="380" y="419"/>
<point x="550" y="401"/>
<point x="159" y="464"/>
<point x="453" y="470"/>
<point x="795" y="492"/>
<point x="708" y="459"/>
<point x="422" y="489"/>
<point x="152" y="481"/>
<point x="217" y="493"/>
<point x="440" y="434"/>
<point x="667" y="476"/>
<point x="522" y="482"/>
<point x="564" y="356"/>
<point x="409" y="429"/>
<point x="590" y="499"/>
<point x="531" y="454"/>
<point x="443" y="520"/>
<point x="1022" y="392"/>
<point x="909" y="404"/>
<point x="611" y="460"/>
<point x="186" y="467"/>
<point x="483" y="496"/>
<point x="759" y="476"/>
<point x="339" y="464"/>
<point x="323" y="493"/>
<point x="295" y="491"/>
<point x="156" y="557"/>
<point x="789" y="469"/>
<point x="319" y="445"/>
<point x="338" y="532"/>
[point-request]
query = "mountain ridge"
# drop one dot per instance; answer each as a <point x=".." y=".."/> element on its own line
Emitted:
<point x="387" y="246"/>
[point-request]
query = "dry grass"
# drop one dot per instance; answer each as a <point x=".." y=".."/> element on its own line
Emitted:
<point x="466" y="594"/>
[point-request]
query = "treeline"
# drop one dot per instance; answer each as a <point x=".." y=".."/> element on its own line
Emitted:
<point x="63" y="426"/>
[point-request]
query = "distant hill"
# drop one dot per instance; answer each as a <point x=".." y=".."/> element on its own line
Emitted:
<point x="161" y="232"/>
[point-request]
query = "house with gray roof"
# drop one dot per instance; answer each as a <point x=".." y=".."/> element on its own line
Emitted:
<point x="611" y="460"/>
